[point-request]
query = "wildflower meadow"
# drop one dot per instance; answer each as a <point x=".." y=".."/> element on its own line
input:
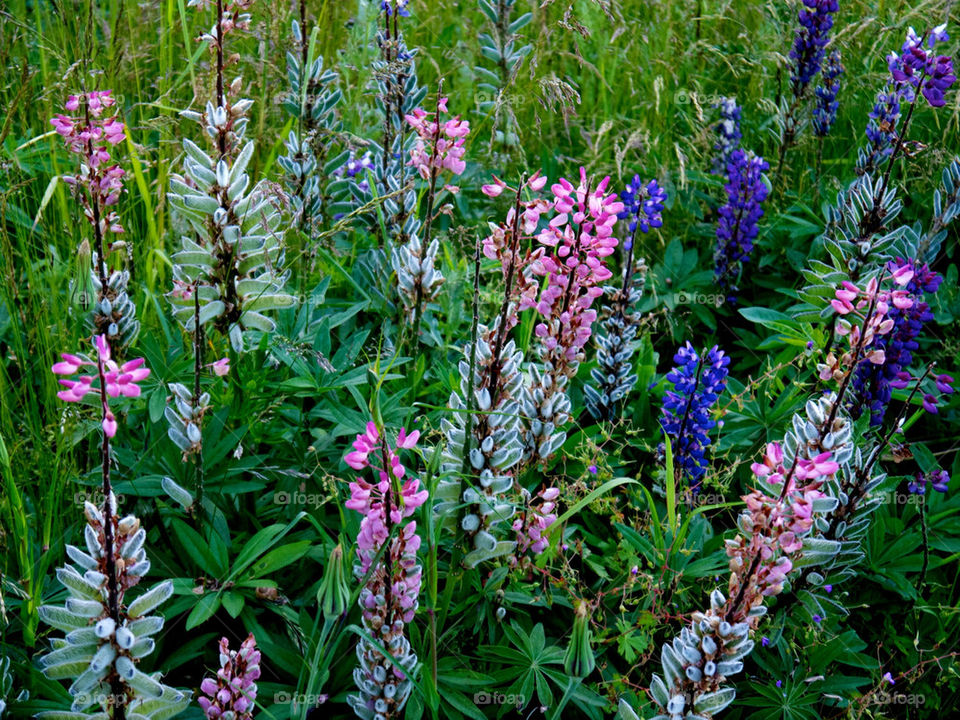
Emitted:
<point x="466" y="359"/>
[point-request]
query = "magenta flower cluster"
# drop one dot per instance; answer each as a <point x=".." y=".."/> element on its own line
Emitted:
<point x="231" y="694"/>
<point x="119" y="380"/>
<point x="389" y="597"/>
<point x="531" y="526"/>
<point x="576" y="241"/>
<point x="773" y="525"/>
<point x="440" y="145"/>
<point x="88" y="133"/>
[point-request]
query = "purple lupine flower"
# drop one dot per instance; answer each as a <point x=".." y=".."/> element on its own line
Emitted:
<point x="765" y="641"/>
<point x="401" y="7"/>
<point x="881" y="129"/>
<point x="918" y="68"/>
<point x="698" y="380"/>
<point x="746" y="190"/>
<point x="811" y="38"/>
<point x="728" y="133"/>
<point x="873" y="383"/>
<point x="825" y="107"/>
<point x="356" y="166"/>
<point x="938" y="479"/>
<point x="642" y="205"/>
<point x="888" y="677"/>
<point x="232" y="693"/>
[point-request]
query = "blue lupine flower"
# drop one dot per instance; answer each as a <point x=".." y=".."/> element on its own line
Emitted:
<point x="825" y="107"/>
<point x="918" y="68"/>
<point x="728" y="133"/>
<point x="746" y="190"/>
<point x="816" y="19"/>
<point x="387" y="7"/>
<point x="698" y="380"/>
<point x="873" y="384"/>
<point x="881" y="129"/>
<point x="939" y="480"/>
<point x="643" y="205"/>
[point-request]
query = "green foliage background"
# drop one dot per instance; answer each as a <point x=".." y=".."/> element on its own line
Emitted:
<point x="622" y="87"/>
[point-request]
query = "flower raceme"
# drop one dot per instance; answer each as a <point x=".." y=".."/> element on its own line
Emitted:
<point x="88" y="134"/>
<point x="873" y="382"/>
<point x="737" y="227"/>
<point x="869" y="309"/>
<point x="826" y="105"/>
<point x="119" y="380"/>
<point x="440" y="145"/>
<point x="727" y="132"/>
<point x="576" y="241"/>
<point x="698" y="380"/>
<point x="389" y="597"/>
<point x="773" y="525"/>
<point x="231" y="694"/>
<point x="812" y="37"/>
<point x="918" y="68"/>
<point x="642" y="206"/>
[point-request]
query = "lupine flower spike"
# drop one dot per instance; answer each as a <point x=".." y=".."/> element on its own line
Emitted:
<point x="825" y="107"/>
<point x="439" y="148"/>
<point x="89" y="131"/>
<point x="728" y="134"/>
<point x="231" y="694"/>
<point x="106" y="634"/>
<point x="806" y="58"/>
<point x="737" y="228"/>
<point x="698" y="380"/>
<point x="484" y="448"/>
<point x="576" y="243"/>
<point x="389" y="597"/>
<point x="643" y="205"/>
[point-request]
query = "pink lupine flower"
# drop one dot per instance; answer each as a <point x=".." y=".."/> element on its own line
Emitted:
<point x="440" y="145"/>
<point x="98" y="184"/>
<point x="773" y="526"/>
<point x="232" y="693"/>
<point x="493" y="189"/>
<point x="534" y="522"/>
<point x="388" y="599"/>
<point x="221" y="367"/>
<point x="119" y="380"/>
